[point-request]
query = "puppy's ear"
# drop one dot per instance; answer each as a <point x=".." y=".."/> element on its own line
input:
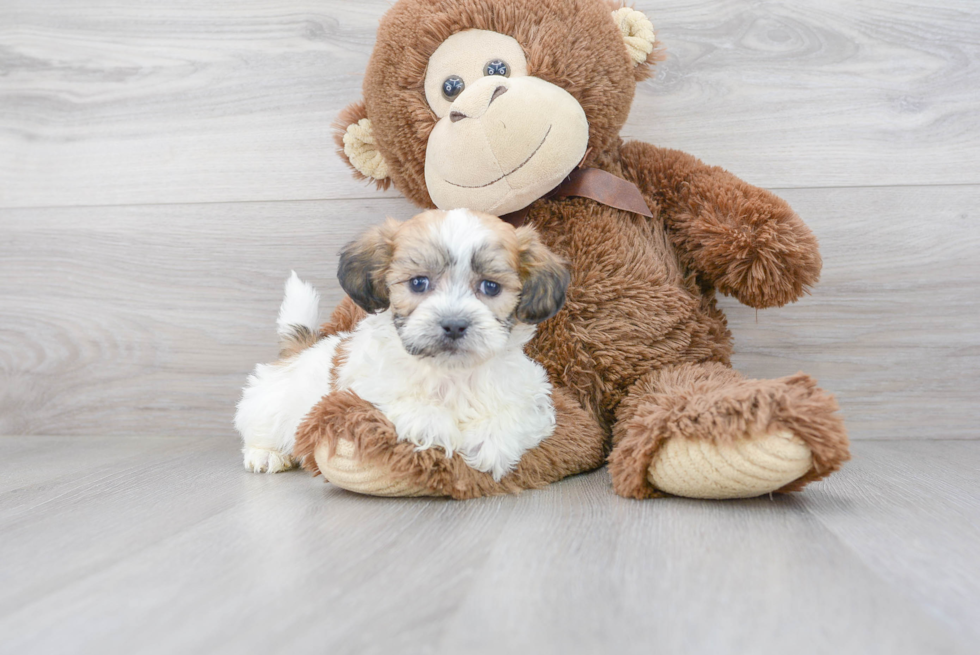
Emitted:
<point x="545" y="278"/>
<point x="363" y="264"/>
<point x="356" y="145"/>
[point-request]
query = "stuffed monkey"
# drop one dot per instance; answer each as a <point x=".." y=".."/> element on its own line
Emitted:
<point x="514" y="107"/>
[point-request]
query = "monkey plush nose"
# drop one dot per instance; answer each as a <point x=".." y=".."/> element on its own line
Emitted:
<point x="475" y="100"/>
<point x="499" y="91"/>
<point x="454" y="328"/>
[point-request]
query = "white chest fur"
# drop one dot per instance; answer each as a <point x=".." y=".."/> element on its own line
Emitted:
<point x="489" y="414"/>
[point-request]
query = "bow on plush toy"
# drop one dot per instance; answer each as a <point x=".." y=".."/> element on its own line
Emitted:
<point x="494" y="105"/>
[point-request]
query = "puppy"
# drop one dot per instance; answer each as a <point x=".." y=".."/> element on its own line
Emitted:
<point x="452" y="299"/>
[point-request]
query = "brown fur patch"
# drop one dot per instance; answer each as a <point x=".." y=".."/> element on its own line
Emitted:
<point x="343" y="319"/>
<point x="299" y="339"/>
<point x="340" y="355"/>
<point x="630" y="308"/>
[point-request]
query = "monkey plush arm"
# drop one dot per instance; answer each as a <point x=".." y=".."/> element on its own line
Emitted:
<point x="742" y="239"/>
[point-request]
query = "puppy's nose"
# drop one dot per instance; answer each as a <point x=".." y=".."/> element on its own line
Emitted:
<point x="454" y="328"/>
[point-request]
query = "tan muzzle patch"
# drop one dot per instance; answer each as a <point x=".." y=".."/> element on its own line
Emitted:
<point x="496" y="152"/>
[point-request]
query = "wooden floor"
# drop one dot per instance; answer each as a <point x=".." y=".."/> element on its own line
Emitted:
<point x="164" y="164"/>
<point x="165" y="545"/>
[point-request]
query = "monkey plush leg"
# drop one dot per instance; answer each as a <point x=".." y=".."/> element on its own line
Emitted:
<point x="355" y="447"/>
<point x="704" y="431"/>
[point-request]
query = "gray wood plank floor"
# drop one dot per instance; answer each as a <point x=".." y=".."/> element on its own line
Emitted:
<point x="164" y="545"/>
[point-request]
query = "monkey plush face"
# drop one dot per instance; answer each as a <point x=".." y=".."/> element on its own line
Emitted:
<point x="503" y="138"/>
<point x="489" y="104"/>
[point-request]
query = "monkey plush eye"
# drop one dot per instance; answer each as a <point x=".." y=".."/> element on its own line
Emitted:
<point x="488" y="288"/>
<point x="419" y="284"/>
<point x="496" y="67"/>
<point x="453" y="86"/>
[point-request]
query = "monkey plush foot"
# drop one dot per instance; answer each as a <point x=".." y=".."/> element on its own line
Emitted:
<point x="704" y="431"/>
<point x="738" y="469"/>
<point x="355" y="447"/>
<point x="346" y="471"/>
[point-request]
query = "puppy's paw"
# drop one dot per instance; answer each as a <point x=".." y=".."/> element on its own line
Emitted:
<point x="262" y="460"/>
<point x="483" y="453"/>
<point x="426" y="426"/>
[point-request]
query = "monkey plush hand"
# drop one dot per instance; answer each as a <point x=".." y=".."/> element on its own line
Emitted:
<point x="514" y="107"/>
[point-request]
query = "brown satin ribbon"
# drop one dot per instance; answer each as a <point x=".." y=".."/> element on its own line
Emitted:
<point x="595" y="184"/>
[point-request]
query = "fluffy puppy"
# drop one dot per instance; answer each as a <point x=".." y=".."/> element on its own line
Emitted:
<point x="452" y="298"/>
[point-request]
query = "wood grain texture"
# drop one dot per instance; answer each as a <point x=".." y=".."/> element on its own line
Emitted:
<point x="819" y="94"/>
<point x="169" y="102"/>
<point x="168" y="546"/>
<point x="908" y="541"/>
<point x="146" y="320"/>
<point x="892" y="326"/>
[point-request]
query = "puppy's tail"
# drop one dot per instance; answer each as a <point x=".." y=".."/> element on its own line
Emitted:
<point x="297" y="325"/>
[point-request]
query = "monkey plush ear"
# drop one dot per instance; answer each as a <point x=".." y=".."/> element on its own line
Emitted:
<point x="356" y="144"/>
<point x="364" y="264"/>
<point x="637" y="31"/>
<point x="545" y="278"/>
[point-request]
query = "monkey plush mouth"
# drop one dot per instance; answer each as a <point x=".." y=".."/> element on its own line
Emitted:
<point x="519" y="167"/>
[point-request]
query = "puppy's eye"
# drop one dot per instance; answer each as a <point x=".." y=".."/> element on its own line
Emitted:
<point x="419" y="284"/>
<point x="496" y="67"/>
<point x="453" y="86"/>
<point x="488" y="288"/>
